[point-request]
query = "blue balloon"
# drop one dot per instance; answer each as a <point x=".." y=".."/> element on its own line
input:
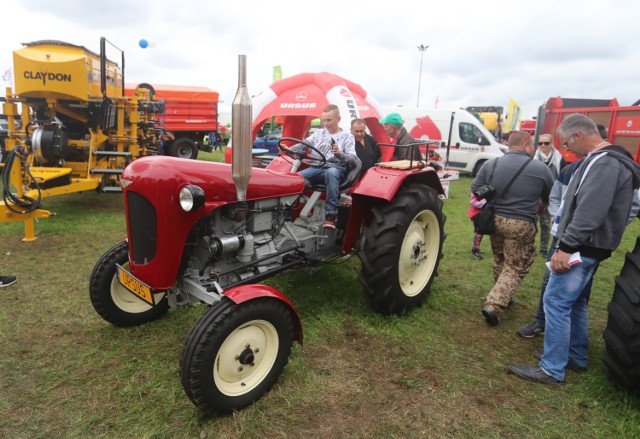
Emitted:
<point x="143" y="43"/>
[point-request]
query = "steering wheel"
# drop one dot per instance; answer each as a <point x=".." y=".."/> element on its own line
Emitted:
<point x="302" y="156"/>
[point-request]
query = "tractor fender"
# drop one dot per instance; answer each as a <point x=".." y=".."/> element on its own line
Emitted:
<point x="244" y="293"/>
<point x="381" y="184"/>
<point x="385" y="182"/>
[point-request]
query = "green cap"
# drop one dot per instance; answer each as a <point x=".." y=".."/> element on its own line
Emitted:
<point x="393" y="119"/>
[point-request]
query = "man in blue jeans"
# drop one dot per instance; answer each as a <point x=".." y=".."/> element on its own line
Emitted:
<point x="338" y="147"/>
<point x="593" y="217"/>
<point x="555" y="199"/>
<point x="536" y="327"/>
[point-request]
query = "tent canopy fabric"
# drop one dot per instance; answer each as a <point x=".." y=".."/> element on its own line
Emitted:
<point x="300" y="99"/>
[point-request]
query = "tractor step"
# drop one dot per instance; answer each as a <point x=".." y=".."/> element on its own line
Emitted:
<point x="107" y="171"/>
<point x="113" y="154"/>
<point x="114" y="189"/>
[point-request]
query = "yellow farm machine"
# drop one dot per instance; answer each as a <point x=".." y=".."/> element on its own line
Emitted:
<point x="69" y="127"/>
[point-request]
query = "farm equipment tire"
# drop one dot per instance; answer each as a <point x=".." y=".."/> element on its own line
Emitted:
<point x="183" y="148"/>
<point x="402" y="250"/>
<point x="112" y="301"/>
<point x="235" y="353"/>
<point x="622" y="333"/>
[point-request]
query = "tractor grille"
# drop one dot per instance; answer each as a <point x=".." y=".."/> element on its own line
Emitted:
<point x="143" y="227"/>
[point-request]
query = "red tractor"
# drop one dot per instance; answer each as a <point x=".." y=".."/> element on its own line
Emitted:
<point x="208" y="232"/>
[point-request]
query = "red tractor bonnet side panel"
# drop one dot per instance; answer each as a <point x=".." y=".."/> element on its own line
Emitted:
<point x="158" y="180"/>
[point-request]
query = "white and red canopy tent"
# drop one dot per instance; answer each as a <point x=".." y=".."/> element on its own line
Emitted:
<point x="299" y="99"/>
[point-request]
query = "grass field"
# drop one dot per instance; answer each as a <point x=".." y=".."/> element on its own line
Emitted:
<point x="438" y="372"/>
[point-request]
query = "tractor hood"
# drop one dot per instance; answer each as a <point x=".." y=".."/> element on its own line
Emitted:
<point x="157" y="227"/>
<point x="164" y="176"/>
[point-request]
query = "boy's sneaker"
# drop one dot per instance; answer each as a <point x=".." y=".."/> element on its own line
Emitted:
<point x="329" y="222"/>
<point x="531" y="330"/>
<point x="477" y="253"/>
<point x="5" y="281"/>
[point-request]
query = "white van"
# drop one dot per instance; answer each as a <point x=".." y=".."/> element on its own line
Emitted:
<point x="471" y="144"/>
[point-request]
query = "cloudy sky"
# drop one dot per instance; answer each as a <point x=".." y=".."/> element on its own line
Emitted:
<point x="480" y="52"/>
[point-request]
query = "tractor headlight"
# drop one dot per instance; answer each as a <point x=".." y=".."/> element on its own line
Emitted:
<point x="191" y="198"/>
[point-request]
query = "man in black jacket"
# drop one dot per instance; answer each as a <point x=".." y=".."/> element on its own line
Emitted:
<point x="367" y="148"/>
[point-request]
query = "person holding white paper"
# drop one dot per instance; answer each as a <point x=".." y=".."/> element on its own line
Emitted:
<point x="593" y="216"/>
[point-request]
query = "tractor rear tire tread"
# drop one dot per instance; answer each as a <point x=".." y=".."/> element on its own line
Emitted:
<point x="379" y="274"/>
<point x="622" y="333"/>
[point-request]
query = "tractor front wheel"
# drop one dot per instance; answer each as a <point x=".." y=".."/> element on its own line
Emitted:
<point x="402" y="250"/>
<point x="235" y="353"/>
<point x="112" y="301"/>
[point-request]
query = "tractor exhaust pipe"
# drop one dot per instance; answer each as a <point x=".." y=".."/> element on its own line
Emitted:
<point x="241" y="124"/>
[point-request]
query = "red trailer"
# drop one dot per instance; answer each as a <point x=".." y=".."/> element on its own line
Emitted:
<point x="191" y="113"/>
<point x="528" y="125"/>
<point x="622" y="123"/>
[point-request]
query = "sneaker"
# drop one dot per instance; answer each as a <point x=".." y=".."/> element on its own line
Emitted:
<point x="477" y="253"/>
<point x="5" y="281"/>
<point x="329" y="224"/>
<point x="329" y="221"/>
<point x="533" y="373"/>
<point x="570" y="365"/>
<point x="531" y="330"/>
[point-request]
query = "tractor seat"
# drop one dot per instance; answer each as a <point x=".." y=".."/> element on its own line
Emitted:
<point x="350" y="177"/>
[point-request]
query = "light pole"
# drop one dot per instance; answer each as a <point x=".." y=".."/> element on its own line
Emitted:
<point x="421" y="48"/>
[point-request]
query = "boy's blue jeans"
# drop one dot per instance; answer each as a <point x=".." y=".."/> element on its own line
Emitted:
<point x="331" y="178"/>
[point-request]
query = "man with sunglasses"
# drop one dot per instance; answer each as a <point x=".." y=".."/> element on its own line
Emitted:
<point x="514" y="241"/>
<point x="552" y="158"/>
<point x="593" y="215"/>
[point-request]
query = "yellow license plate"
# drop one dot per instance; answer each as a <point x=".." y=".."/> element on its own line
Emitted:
<point x="138" y="288"/>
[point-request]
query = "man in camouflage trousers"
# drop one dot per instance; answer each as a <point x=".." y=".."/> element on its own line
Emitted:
<point x="513" y="242"/>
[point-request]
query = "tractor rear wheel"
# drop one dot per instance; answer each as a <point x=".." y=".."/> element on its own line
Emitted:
<point x="235" y="353"/>
<point x="622" y="333"/>
<point x="183" y="148"/>
<point x="402" y="250"/>
<point x="112" y="301"/>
